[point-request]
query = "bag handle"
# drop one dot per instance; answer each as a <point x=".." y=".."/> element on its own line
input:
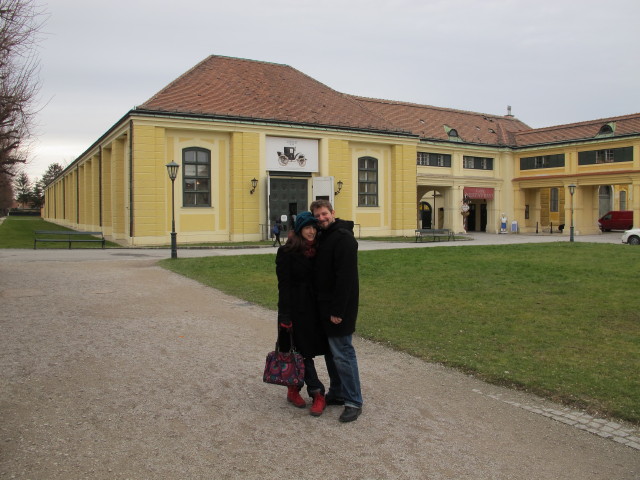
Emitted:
<point x="292" y="349"/>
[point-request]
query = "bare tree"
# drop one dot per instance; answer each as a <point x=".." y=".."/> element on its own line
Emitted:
<point x="6" y="194"/>
<point x="20" y="24"/>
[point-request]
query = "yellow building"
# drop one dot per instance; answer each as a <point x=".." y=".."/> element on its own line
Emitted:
<point x="258" y="141"/>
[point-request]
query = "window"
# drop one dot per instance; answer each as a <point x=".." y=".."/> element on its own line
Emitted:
<point x="196" y="177"/>
<point x="553" y="200"/>
<point x="604" y="156"/>
<point x="543" y="161"/>
<point x="452" y="133"/>
<point x="623" y="199"/>
<point x="611" y="155"/>
<point x="606" y="130"/>
<point x="477" y="163"/>
<point x="367" y="182"/>
<point x="434" y="159"/>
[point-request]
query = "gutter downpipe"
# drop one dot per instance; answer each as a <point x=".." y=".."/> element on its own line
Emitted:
<point x="100" y="185"/>
<point x="131" y="224"/>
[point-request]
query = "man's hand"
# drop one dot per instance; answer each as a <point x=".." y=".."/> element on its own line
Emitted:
<point x="335" y="320"/>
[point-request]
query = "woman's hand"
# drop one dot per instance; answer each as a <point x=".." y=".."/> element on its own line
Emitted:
<point x="335" y="320"/>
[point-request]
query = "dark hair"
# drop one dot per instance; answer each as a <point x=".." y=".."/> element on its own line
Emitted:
<point x="321" y="202"/>
<point x="295" y="244"/>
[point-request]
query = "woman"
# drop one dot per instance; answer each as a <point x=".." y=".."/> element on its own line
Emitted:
<point x="297" y="308"/>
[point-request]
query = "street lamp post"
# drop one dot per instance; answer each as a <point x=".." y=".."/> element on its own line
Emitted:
<point x="572" y="190"/>
<point x="172" y="170"/>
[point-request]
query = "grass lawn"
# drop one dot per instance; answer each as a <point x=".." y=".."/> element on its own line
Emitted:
<point x="561" y="320"/>
<point x="17" y="232"/>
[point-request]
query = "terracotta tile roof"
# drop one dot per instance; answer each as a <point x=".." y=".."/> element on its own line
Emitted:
<point x="429" y="122"/>
<point x="252" y="90"/>
<point x="247" y="89"/>
<point x="623" y="125"/>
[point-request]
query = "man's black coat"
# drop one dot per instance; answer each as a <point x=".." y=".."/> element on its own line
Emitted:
<point x="336" y="277"/>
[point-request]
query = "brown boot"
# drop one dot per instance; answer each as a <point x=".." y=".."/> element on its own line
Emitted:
<point x="318" y="405"/>
<point x="293" y="396"/>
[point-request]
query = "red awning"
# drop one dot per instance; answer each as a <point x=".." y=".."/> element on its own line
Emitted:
<point x="478" y="192"/>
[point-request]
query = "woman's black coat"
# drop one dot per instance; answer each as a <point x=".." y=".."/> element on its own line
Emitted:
<point x="336" y="277"/>
<point x="297" y="303"/>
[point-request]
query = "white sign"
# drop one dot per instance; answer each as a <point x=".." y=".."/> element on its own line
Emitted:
<point x="292" y="154"/>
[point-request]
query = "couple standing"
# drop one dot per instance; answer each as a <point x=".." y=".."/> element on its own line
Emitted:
<point x="318" y="294"/>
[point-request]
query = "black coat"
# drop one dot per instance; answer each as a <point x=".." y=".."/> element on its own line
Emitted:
<point x="297" y="303"/>
<point x="336" y="277"/>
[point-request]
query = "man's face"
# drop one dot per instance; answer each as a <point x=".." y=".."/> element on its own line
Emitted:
<point x="325" y="217"/>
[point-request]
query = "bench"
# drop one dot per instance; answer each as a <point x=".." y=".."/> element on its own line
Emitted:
<point x="68" y="236"/>
<point x="434" y="233"/>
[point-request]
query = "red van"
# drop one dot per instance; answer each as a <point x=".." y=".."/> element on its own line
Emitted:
<point x="616" y="220"/>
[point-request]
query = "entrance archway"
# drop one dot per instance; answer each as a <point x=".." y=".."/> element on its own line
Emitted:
<point x="604" y="200"/>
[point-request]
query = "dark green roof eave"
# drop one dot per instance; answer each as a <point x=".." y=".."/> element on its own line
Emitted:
<point x="95" y="144"/>
<point x="576" y="140"/>
<point x="463" y="142"/>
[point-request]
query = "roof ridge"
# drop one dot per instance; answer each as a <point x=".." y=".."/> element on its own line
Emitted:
<point x="199" y="65"/>
<point x="444" y="109"/>
<point x="583" y="123"/>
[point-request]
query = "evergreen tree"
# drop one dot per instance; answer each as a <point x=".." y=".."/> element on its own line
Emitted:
<point x="52" y="172"/>
<point x="23" y="188"/>
<point x="37" y="194"/>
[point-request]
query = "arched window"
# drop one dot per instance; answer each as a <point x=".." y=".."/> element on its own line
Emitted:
<point x="623" y="199"/>
<point x="196" y="177"/>
<point x="452" y="133"/>
<point x="605" y="130"/>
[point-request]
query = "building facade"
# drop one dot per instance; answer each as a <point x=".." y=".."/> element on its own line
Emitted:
<point x="257" y="142"/>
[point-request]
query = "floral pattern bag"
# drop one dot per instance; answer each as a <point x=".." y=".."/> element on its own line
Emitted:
<point x="284" y="368"/>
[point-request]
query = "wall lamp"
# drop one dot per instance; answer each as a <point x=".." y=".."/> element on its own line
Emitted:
<point x="254" y="184"/>
<point x="340" y="184"/>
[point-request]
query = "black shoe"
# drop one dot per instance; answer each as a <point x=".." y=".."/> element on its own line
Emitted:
<point x="331" y="400"/>
<point x="350" y="414"/>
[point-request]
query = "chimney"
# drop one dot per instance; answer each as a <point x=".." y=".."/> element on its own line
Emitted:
<point x="509" y="111"/>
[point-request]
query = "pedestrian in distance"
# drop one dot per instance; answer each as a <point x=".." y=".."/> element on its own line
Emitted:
<point x="275" y="232"/>
<point x="337" y="290"/>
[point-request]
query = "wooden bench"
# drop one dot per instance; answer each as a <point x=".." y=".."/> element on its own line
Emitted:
<point x="68" y="236"/>
<point x="434" y="233"/>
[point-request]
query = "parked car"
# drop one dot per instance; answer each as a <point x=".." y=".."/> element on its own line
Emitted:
<point x="632" y="237"/>
<point x="616" y="220"/>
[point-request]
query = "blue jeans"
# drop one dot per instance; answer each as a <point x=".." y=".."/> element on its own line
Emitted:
<point x="342" y="366"/>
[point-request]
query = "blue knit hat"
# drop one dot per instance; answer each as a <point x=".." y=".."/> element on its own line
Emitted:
<point x="303" y="219"/>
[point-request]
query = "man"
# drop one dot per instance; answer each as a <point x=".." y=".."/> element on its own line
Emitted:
<point x="336" y="282"/>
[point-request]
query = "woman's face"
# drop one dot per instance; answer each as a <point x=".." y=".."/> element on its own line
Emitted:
<point x="308" y="233"/>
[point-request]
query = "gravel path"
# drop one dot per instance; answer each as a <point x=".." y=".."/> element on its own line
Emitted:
<point x="119" y="369"/>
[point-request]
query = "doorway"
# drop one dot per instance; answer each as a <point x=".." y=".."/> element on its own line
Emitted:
<point x="287" y="196"/>
<point x="477" y="219"/>
<point x="426" y="215"/>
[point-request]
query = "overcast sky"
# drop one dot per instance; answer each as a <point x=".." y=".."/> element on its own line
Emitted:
<point x="553" y="61"/>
